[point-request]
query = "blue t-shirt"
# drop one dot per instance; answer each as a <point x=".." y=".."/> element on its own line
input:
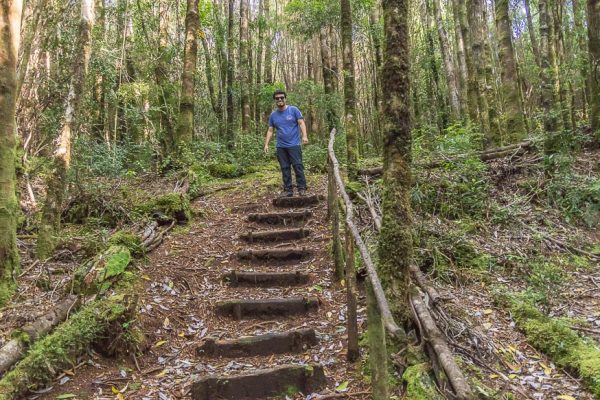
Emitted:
<point x="286" y="123"/>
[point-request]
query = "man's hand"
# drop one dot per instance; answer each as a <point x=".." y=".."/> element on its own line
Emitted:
<point x="305" y="140"/>
<point x="266" y="149"/>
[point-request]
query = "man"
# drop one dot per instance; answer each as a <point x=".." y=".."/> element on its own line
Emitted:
<point x="289" y="122"/>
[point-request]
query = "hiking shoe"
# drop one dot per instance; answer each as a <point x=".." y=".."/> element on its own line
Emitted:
<point x="301" y="192"/>
<point x="286" y="193"/>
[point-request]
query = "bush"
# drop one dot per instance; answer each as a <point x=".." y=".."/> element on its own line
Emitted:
<point x="225" y="170"/>
<point x="578" y="197"/>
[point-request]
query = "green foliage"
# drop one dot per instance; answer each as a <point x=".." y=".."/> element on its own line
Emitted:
<point x="225" y="170"/>
<point x="315" y="158"/>
<point x="129" y="240"/>
<point x="452" y="255"/>
<point x="577" y="196"/>
<point x="546" y="275"/>
<point x="419" y="385"/>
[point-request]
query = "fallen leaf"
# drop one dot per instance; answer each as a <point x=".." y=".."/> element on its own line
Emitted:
<point x="342" y="387"/>
<point x="488" y="311"/>
<point x="160" y="343"/>
<point x="565" y="397"/>
<point x="66" y="396"/>
<point x="161" y="373"/>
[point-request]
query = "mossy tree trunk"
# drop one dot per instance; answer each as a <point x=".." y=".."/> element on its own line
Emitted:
<point x="473" y="92"/>
<point x="547" y="77"/>
<point x="515" y="124"/>
<point x="593" y="8"/>
<point x="268" y="72"/>
<point x="477" y="75"/>
<point x="10" y="28"/>
<point x="230" y="68"/>
<point x="185" y="123"/>
<point x="463" y="75"/>
<point x="162" y="79"/>
<point x="350" y="123"/>
<point x="57" y="182"/>
<point x="328" y="79"/>
<point x="215" y="102"/>
<point x="244" y="66"/>
<point x="535" y="48"/>
<point x="395" y="241"/>
<point x="579" y="16"/>
<point x="448" y="61"/>
<point x="262" y="22"/>
<point x="37" y="8"/>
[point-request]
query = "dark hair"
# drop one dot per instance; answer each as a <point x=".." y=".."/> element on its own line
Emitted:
<point x="279" y="91"/>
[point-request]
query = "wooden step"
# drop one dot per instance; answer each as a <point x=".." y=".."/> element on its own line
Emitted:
<point x="271" y="236"/>
<point x="283" y="218"/>
<point x="261" y="345"/>
<point x="235" y="278"/>
<point x="281" y="254"/>
<point x="280" y="381"/>
<point x="249" y="308"/>
<point x="296" y="201"/>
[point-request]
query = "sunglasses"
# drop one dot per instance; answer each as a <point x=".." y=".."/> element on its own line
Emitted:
<point x="279" y="98"/>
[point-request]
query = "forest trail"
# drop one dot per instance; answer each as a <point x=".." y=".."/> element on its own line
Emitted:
<point x="224" y="278"/>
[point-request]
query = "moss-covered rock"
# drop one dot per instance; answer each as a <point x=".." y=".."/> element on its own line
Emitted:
<point x="419" y="384"/>
<point x="129" y="240"/>
<point x="173" y="205"/>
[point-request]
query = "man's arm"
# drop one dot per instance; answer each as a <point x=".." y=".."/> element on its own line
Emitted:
<point x="303" y="130"/>
<point x="268" y="138"/>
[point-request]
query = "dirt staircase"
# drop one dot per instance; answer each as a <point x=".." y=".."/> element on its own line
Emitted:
<point x="276" y="228"/>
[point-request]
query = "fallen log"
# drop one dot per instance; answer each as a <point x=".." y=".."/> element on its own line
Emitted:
<point x="59" y="350"/>
<point x="485" y="155"/>
<point x="436" y="339"/>
<point x="14" y="350"/>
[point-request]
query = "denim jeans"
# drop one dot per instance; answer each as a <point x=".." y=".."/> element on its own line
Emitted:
<point x="291" y="157"/>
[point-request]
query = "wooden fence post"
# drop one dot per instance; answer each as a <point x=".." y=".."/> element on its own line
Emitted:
<point x="377" y="348"/>
<point x="336" y="246"/>
<point x="351" y="295"/>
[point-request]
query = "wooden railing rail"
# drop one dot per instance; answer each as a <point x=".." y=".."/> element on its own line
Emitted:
<point x="444" y="365"/>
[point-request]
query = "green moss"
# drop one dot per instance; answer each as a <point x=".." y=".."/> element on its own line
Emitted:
<point x="555" y="338"/>
<point x="419" y="384"/>
<point x="129" y="240"/>
<point x="174" y="205"/>
<point x="7" y="289"/>
<point x="117" y="258"/>
<point x="225" y="170"/>
<point x="59" y="350"/>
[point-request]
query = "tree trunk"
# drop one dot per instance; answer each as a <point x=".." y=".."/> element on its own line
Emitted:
<point x="461" y="55"/>
<point x="535" y="48"/>
<point x="57" y="182"/>
<point x="472" y="83"/>
<point x="32" y="28"/>
<point x="593" y="17"/>
<point x="515" y="124"/>
<point x="10" y="31"/>
<point x="580" y="32"/>
<point x="230" y="69"/>
<point x="215" y="105"/>
<point x="395" y="241"/>
<point x="259" y="57"/>
<point x="185" y="124"/>
<point x="328" y="80"/>
<point x="547" y="75"/>
<point x="268" y="73"/>
<point x="162" y="80"/>
<point x="244" y="66"/>
<point x="476" y="21"/>
<point x="349" y="91"/>
<point x="448" y="61"/>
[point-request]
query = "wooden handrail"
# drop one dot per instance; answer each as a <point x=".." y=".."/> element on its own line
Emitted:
<point x="386" y="315"/>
